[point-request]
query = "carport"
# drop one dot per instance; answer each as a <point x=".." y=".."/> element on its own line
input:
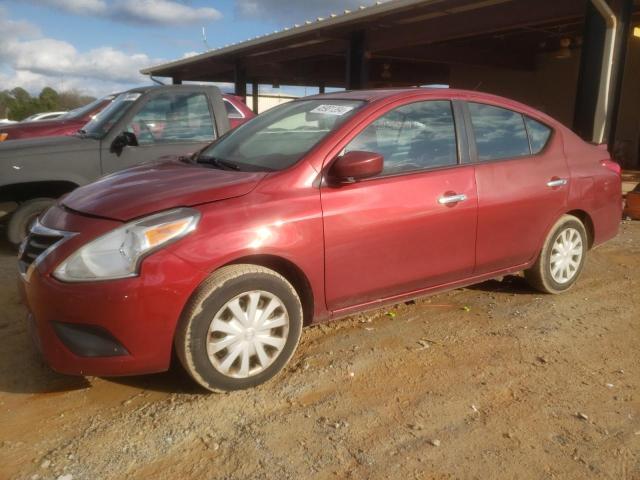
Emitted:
<point x="578" y="60"/>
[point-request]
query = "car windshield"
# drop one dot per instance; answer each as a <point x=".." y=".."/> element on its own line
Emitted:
<point x="102" y="123"/>
<point x="280" y="137"/>
<point x="83" y="110"/>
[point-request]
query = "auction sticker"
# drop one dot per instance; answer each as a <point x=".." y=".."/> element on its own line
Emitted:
<point x="332" y="109"/>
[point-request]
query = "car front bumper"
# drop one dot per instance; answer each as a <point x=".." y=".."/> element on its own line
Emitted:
<point x="108" y="328"/>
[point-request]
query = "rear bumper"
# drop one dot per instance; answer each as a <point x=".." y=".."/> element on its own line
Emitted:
<point x="120" y="327"/>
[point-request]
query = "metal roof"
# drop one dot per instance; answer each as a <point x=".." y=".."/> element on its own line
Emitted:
<point x="332" y="20"/>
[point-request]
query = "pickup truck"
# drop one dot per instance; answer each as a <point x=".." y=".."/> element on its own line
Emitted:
<point x="138" y="126"/>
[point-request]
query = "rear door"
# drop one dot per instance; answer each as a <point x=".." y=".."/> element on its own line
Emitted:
<point x="169" y="121"/>
<point x="522" y="179"/>
<point x="404" y="230"/>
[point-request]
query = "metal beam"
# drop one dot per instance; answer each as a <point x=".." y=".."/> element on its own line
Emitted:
<point x="357" y="64"/>
<point x="495" y="18"/>
<point x="240" y="81"/>
<point x="254" y="96"/>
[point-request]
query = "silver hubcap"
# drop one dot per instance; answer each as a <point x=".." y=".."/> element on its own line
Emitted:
<point x="566" y="255"/>
<point x="247" y="334"/>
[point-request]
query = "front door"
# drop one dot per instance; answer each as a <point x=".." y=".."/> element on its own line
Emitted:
<point x="411" y="227"/>
<point x="523" y="182"/>
<point x="169" y="123"/>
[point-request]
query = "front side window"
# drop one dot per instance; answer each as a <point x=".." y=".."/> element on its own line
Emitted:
<point x="173" y="117"/>
<point x="416" y="136"/>
<point x="499" y="133"/>
<point x="280" y="137"/>
<point x="100" y="125"/>
<point x="539" y="134"/>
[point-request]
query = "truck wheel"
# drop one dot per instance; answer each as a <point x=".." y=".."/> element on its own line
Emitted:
<point x="22" y="218"/>
<point x="562" y="257"/>
<point x="240" y="328"/>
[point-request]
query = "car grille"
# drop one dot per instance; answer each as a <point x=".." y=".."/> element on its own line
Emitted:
<point x="39" y="240"/>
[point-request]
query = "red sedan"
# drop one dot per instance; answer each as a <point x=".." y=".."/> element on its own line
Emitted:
<point x="314" y="210"/>
<point x="66" y="124"/>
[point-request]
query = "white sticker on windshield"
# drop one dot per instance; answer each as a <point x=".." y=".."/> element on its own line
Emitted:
<point x="131" y="97"/>
<point x="332" y="109"/>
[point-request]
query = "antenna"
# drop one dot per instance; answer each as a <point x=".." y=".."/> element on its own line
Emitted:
<point x="155" y="80"/>
<point x="204" y="39"/>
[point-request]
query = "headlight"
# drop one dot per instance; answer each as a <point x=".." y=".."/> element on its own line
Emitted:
<point x="118" y="254"/>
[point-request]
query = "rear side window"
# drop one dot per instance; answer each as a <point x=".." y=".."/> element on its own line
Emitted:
<point x="499" y="133"/>
<point x="539" y="134"/>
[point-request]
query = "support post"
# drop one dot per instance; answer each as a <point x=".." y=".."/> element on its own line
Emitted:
<point x="240" y="81"/>
<point x="254" y="96"/>
<point x="600" y="61"/>
<point x="357" y="65"/>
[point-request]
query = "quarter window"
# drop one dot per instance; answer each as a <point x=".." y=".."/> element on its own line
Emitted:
<point x="413" y="137"/>
<point x="539" y="134"/>
<point x="232" y="110"/>
<point x="173" y="117"/>
<point x="499" y="133"/>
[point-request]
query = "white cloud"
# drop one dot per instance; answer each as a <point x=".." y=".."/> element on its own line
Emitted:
<point x="32" y="61"/>
<point x="295" y="11"/>
<point x="152" y="12"/>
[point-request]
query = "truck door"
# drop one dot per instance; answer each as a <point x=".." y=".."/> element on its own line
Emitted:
<point x="171" y="121"/>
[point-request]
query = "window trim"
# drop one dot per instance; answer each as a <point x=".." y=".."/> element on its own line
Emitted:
<point x="458" y="132"/>
<point x="471" y="136"/>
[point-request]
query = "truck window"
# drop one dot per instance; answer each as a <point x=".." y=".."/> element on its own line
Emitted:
<point x="174" y="117"/>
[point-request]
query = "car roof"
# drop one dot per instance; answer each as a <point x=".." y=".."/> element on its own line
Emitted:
<point x="373" y="95"/>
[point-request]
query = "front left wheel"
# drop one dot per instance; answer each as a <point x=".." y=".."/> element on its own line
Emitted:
<point x="240" y="328"/>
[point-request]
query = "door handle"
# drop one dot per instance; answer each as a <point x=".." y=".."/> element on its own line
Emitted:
<point x="557" y="182"/>
<point x="447" y="199"/>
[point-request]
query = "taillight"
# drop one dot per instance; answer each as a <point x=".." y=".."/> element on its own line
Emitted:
<point x="3" y="136"/>
<point x="611" y="165"/>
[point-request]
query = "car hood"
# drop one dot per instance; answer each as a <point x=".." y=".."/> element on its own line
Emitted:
<point x="161" y="186"/>
<point x="48" y="146"/>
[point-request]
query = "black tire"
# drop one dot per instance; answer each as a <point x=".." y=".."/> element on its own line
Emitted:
<point x="193" y="329"/>
<point x="539" y="276"/>
<point x="24" y="216"/>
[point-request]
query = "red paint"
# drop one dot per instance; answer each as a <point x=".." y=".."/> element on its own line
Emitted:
<point x="52" y="128"/>
<point x="359" y="245"/>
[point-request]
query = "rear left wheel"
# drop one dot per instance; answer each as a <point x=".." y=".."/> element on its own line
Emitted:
<point x="240" y="329"/>
<point x="562" y="257"/>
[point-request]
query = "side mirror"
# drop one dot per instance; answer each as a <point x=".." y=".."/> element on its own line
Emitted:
<point x="356" y="165"/>
<point x="125" y="139"/>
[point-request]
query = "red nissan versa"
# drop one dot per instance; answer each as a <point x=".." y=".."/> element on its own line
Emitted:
<point x="316" y="209"/>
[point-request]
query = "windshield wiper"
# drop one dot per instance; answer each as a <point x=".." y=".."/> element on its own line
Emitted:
<point x="219" y="163"/>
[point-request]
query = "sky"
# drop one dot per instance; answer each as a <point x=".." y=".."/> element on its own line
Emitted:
<point x="98" y="46"/>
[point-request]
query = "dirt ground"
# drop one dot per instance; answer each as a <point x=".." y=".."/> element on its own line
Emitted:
<point x="490" y="382"/>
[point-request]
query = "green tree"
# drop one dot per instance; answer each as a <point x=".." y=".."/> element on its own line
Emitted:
<point x="49" y="99"/>
<point x="22" y="104"/>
